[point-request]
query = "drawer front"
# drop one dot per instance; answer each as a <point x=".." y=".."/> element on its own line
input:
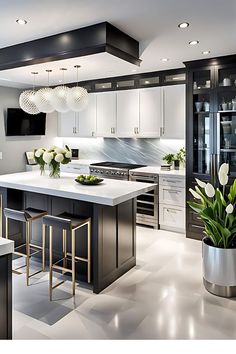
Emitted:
<point x="172" y="195"/>
<point x="172" y="181"/>
<point x="172" y="216"/>
<point x="194" y="218"/>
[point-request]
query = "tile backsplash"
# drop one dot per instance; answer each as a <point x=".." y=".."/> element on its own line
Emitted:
<point x="142" y="151"/>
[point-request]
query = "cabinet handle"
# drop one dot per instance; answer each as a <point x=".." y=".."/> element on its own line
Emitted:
<point x="112" y="130"/>
<point x="73" y="130"/>
<point x="92" y="133"/>
<point x="171" y="211"/>
<point x="175" y="192"/>
<point x="163" y="110"/>
<point x="137" y="131"/>
<point x="134" y="130"/>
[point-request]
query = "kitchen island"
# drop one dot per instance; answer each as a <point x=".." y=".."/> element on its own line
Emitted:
<point x="6" y="249"/>
<point x="111" y="206"/>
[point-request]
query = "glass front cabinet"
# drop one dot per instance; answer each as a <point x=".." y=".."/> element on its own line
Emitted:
<point x="211" y="125"/>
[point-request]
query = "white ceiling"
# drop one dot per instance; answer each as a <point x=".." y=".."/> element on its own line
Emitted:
<point x="154" y="23"/>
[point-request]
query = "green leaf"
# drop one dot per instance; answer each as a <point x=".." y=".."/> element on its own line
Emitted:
<point x="196" y="207"/>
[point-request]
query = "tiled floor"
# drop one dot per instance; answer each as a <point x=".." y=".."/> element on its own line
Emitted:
<point x="161" y="298"/>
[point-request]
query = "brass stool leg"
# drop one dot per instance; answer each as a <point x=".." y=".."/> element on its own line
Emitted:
<point x="73" y="260"/>
<point x="64" y="235"/>
<point x="89" y="251"/>
<point x="6" y="231"/>
<point x="50" y="262"/>
<point x="28" y="226"/>
<point x="43" y="246"/>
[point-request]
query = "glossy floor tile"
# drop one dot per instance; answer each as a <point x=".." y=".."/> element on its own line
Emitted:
<point x="161" y="298"/>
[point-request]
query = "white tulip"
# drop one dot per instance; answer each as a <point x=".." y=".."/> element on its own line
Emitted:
<point x="200" y="183"/>
<point x="223" y="178"/>
<point x="59" y="158"/>
<point x="39" y="152"/>
<point x="68" y="154"/>
<point x="224" y="168"/>
<point x="194" y="193"/>
<point x="229" y="209"/>
<point x="223" y="174"/>
<point x="47" y="156"/>
<point x="210" y="190"/>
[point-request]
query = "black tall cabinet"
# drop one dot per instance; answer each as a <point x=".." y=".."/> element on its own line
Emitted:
<point x="211" y="125"/>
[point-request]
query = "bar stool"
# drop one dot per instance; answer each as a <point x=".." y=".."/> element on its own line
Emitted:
<point x="27" y="216"/>
<point x="71" y="223"/>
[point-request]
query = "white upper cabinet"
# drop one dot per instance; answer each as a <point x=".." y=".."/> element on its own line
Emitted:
<point x="106" y="114"/>
<point x="67" y="124"/>
<point x="173" y="122"/>
<point x="86" y="119"/>
<point x="127" y="113"/>
<point x="150" y="110"/>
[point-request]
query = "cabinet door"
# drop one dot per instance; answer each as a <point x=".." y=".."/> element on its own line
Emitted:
<point x="86" y="119"/>
<point x="150" y="110"/>
<point x="106" y="114"/>
<point x="173" y="125"/>
<point x="172" y="216"/>
<point x="66" y="124"/>
<point x="127" y="113"/>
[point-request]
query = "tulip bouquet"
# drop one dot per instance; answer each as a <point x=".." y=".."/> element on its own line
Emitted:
<point x="53" y="157"/>
<point x="217" y="209"/>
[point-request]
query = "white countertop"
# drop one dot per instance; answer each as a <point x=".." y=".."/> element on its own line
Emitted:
<point x="157" y="170"/>
<point x="109" y="192"/>
<point x="6" y="246"/>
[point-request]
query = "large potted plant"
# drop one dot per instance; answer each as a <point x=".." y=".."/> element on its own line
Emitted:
<point x="216" y="208"/>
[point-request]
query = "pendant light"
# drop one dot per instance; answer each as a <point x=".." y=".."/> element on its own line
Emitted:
<point x="27" y="99"/>
<point x="59" y="96"/>
<point x="77" y="98"/>
<point x="43" y="98"/>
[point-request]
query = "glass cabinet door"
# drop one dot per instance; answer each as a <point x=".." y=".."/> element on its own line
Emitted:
<point x="201" y="143"/>
<point x="227" y="139"/>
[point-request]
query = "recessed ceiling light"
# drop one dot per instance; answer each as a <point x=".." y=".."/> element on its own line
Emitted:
<point x="205" y="52"/>
<point x="183" y="25"/>
<point x="20" y="21"/>
<point x="60" y="80"/>
<point x="193" y="42"/>
<point x="147" y="82"/>
<point x="165" y="59"/>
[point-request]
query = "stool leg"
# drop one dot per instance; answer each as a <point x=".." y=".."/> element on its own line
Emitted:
<point x="6" y="228"/>
<point x="27" y="251"/>
<point x="73" y="260"/>
<point x="89" y="251"/>
<point x="64" y="235"/>
<point x="43" y="246"/>
<point x="50" y="262"/>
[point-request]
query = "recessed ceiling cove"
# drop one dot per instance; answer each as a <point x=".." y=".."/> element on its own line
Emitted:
<point x="98" y="38"/>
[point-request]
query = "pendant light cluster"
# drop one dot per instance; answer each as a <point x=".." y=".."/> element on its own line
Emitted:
<point x="60" y="98"/>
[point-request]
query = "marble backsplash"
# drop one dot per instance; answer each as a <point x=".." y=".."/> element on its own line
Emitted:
<point x="141" y="151"/>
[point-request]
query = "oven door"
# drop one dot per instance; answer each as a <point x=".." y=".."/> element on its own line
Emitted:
<point x="147" y="203"/>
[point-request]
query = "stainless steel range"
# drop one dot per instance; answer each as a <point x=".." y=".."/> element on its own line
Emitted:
<point x="147" y="204"/>
<point x="116" y="170"/>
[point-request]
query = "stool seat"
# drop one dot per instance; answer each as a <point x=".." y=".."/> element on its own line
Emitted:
<point x="65" y="221"/>
<point x="28" y="214"/>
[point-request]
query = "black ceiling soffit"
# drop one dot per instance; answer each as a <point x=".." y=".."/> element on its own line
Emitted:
<point x="98" y="38"/>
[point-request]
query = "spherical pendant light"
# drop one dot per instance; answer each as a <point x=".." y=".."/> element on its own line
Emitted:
<point x="27" y="99"/>
<point x="59" y="98"/>
<point x="43" y="99"/>
<point x="27" y="102"/>
<point x="77" y="98"/>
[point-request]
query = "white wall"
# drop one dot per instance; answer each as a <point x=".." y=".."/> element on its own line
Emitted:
<point x="13" y="148"/>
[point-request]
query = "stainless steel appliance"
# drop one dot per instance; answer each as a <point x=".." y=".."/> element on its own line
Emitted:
<point x="116" y="170"/>
<point x="147" y="204"/>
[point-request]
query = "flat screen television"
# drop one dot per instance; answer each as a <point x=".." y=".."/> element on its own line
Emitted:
<point x="20" y="123"/>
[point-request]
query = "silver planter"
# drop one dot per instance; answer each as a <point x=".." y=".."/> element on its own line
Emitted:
<point x="219" y="269"/>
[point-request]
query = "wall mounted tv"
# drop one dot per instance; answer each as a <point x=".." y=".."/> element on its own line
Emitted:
<point x="21" y="123"/>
